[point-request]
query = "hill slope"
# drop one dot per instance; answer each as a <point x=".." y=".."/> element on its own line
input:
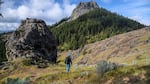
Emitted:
<point x="93" y="26"/>
<point x="129" y="48"/>
<point x="133" y="45"/>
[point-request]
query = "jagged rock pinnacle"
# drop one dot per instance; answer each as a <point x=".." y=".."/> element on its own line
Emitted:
<point x="82" y="8"/>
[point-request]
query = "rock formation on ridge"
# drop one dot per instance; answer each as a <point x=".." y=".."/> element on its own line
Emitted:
<point x="83" y="8"/>
<point x="32" y="40"/>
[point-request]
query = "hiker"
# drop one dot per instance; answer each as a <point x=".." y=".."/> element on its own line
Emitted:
<point x="68" y="61"/>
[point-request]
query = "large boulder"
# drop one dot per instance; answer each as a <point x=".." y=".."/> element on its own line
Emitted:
<point x="32" y="39"/>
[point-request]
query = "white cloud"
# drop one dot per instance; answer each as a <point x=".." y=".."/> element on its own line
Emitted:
<point x="56" y="12"/>
<point x="23" y="12"/>
<point x="8" y="26"/>
<point x="67" y="8"/>
<point x="48" y="10"/>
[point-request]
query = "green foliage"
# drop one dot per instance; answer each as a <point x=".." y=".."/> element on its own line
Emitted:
<point x="2" y="51"/>
<point x="93" y="26"/>
<point x="41" y="63"/>
<point x="118" y="75"/>
<point x="84" y="52"/>
<point x="16" y="81"/>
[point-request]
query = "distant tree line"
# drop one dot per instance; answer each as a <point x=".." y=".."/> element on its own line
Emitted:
<point x="94" y="26"/>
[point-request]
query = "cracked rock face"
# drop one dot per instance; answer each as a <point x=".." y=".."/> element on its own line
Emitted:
<point x="32" y="39"/>
<point x="82" y="8"/>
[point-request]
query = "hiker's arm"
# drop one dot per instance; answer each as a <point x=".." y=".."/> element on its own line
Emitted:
<point x="71" y="61"/>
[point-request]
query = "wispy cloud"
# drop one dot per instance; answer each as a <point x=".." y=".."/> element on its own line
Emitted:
<point x="48" y="10"/>
<point x="8" y="26"/>
<point x="135" y="9"/>
<point x="106" y="1"/>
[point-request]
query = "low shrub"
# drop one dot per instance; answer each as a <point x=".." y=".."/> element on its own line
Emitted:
<point x="41" y="63"/>
<point x="104" y="66"/>
<point x="16" y="81"/>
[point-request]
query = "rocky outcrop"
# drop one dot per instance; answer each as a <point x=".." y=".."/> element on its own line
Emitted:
<point x="32" y="39"/>
<point x="82" y="8"/>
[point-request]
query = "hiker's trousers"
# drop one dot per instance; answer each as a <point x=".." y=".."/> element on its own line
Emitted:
<point x="67" y="67"/>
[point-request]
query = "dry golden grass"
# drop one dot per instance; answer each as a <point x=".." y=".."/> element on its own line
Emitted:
<point x="134" y="56"/>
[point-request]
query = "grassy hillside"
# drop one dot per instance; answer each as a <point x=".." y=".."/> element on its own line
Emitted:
<point x="19" y="73"/>
<point x="96" y="25"/>
<point x="129" y="48"/>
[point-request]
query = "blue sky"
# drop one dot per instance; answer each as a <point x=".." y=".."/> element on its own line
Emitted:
<point x="52" y="11"/>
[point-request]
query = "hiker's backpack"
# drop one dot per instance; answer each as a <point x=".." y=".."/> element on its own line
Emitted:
<point x="67" y="60"/>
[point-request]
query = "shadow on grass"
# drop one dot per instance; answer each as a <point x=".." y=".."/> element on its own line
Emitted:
<point x="146" y="68"/>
